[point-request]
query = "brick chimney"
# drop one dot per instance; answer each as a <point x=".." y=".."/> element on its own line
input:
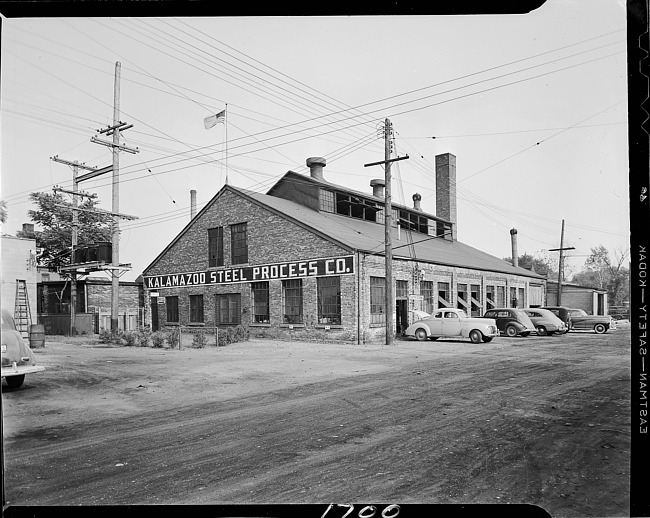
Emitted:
<point x="378" y="185"/>
<point x="513" y="239"/>
<point x="446" y="190"/>
<point x="316" y="164"/>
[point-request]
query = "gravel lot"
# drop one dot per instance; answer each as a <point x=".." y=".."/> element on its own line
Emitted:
<point x="541" y="420"/>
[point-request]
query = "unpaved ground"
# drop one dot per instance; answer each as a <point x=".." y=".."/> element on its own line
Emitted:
<point x="542" y="420"/>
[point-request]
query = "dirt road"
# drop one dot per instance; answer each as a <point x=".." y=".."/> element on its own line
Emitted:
<point x="542" y="420"/>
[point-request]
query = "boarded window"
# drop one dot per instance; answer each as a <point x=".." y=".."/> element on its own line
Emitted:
<point x="329" y="300"/>
<point x="215" y="246"/>
<point x="172" y="309"/>
<point x="196" y="308"/>
<point x="377" y="300"/>
<point x="462" y="302"/>
<point x="475" y="300"/>
<point x="292" y="294"/>
<point x="239" y="243"/>
<point x="490" y="297"/>
<point x="260" y="296"/>
<point x="228" y="308"/>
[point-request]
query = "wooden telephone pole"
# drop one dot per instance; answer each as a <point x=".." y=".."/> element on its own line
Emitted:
<point x="114" y="130"/>
<point x="388" y="214"/>
<point x="561" y="265"/>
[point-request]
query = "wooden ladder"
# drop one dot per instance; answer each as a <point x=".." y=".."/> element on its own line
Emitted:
<point x="22" y="313"/>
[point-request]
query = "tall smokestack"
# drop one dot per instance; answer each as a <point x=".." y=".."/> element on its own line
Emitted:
<point x="513" y="239"/>
<point x="446" y="190"/>
<point x="192" y="203"/>
<point x="378" y="185"/>
<point x="316" y="164"/>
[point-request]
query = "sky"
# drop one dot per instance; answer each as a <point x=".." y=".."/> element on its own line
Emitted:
<point x="534" y="107"/>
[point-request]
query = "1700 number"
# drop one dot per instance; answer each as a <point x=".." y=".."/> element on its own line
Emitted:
<point x="390" y="511"/>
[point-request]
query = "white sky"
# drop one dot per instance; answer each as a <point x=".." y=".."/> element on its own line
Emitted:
<point x="533" y="106"/>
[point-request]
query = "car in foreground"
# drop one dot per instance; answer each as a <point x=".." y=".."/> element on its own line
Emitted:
<point x="511" y="321"/>
<point x="580" y="320"/>
<point x="546" y="322"/>
<point x="451" y="323"/>
<point x="17" y="358"/>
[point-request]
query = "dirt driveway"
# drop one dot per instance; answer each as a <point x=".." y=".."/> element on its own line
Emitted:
<point x="542" y="420"/>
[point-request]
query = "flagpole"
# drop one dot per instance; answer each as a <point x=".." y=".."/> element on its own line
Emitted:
<point x="226" y="125"/>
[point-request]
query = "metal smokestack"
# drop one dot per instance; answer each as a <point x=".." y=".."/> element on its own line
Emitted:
<point x="417" y="197"/>
<point x="192" y="203"/>
<point x="513" y="239"/>
<point x="378" y="185"/>
<point x="316" y="164"/>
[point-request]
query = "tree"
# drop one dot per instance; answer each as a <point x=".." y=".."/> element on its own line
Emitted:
<point x="601" y="272"/>
<point x="541" y="265"/>
<point x="54" y="217"/>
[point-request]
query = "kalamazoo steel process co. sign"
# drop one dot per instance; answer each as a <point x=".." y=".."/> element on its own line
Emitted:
<point x="263" y="272"/>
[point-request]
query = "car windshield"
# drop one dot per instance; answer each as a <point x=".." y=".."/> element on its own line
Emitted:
<point x="578" y="313"/>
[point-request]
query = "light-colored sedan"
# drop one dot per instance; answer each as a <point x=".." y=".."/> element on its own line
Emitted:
<point x="546" y="322"/>
<point x="17" y="358"/>
<point x="450" y="323"/>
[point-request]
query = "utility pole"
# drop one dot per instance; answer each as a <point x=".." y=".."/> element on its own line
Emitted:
<point x="75" y="233"/>
<point x="388" y="214"/>
<point x="114" y="130"/>
<point x="561" y="265"/>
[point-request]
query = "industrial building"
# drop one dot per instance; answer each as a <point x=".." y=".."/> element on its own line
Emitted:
<point x="307" y="258"/>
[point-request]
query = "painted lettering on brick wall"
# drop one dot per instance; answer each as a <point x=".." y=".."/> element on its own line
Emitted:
<point x="263" y="272"/>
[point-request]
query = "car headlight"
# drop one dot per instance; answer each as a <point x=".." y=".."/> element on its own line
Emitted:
<point x="4" y="348"/>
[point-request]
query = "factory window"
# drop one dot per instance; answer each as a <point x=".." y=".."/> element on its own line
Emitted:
<point x="426" y="290"/>
<point x="172" y="309"/>
<point x="401" y="289"/>
<point x="490" y="297"/>
<point x="414" y="222"/>
<point x="377" y="300"/>
<point x="513" y="298"/>
<point x="196" y="308"/>
<point x="227" y="308"/>
<point x="444" y="296"/>
<point x="260" y="292"/>
<point x="501" y="296"/>
<point x="520" y="299"/>
<point x="326" y="201"/>
<point x="239" y="243"/>
<point x="475" y="300"/>
<point x="461" y="300"/>
<point x="292" y="293"/>
<point x="329" y="300"/>
<point x="215" y="246"/>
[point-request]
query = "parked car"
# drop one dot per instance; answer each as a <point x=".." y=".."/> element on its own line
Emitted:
<point x="511" y="321"/>
<point x="599" y="323"/>
<point x="562" y="312"/>
<point x="546" y="322"/>
<point x="17" y="358"/>
<point x="451" y="322"/>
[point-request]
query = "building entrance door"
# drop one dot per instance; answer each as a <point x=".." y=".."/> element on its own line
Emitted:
<point x="154" y="314"/>
<point x="401" y="315"/>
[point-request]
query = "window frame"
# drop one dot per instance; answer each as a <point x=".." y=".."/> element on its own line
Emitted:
<point x="260" y="302"/>
<point x="377" y="300"/>
<point x="324" y="289"/>
<point x="233" y="308"/>
<point x="239" y="243"/>
<point x="215" y="247"/>
<point x="292" y="301"/>
<point x="197" y="313"/>
<point x="171" y="303"/>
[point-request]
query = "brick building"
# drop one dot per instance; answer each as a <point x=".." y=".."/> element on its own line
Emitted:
<point x="307" y="257"/>
<point x="93" y="308"/>
<point x="592" y="300"/>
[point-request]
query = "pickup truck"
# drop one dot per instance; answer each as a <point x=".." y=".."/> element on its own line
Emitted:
<point x="450" y="323"/>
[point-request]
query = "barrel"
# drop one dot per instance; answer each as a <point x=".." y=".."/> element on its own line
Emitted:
<point x="36" y="336"/>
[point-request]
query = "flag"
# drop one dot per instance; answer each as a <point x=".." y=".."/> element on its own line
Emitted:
<point x="213" y="120"/>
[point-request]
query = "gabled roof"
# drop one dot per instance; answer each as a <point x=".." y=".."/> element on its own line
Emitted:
<point x="368" y="237"/>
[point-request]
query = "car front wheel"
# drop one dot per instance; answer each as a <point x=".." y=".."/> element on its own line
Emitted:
<point x="15" y="381"/>
<point x="511" y="331"/>
<point x="421" y="334"/>
<point x="600" y="328"/>
<point x="541" y="331"/>
<point x="475" y="336"/>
